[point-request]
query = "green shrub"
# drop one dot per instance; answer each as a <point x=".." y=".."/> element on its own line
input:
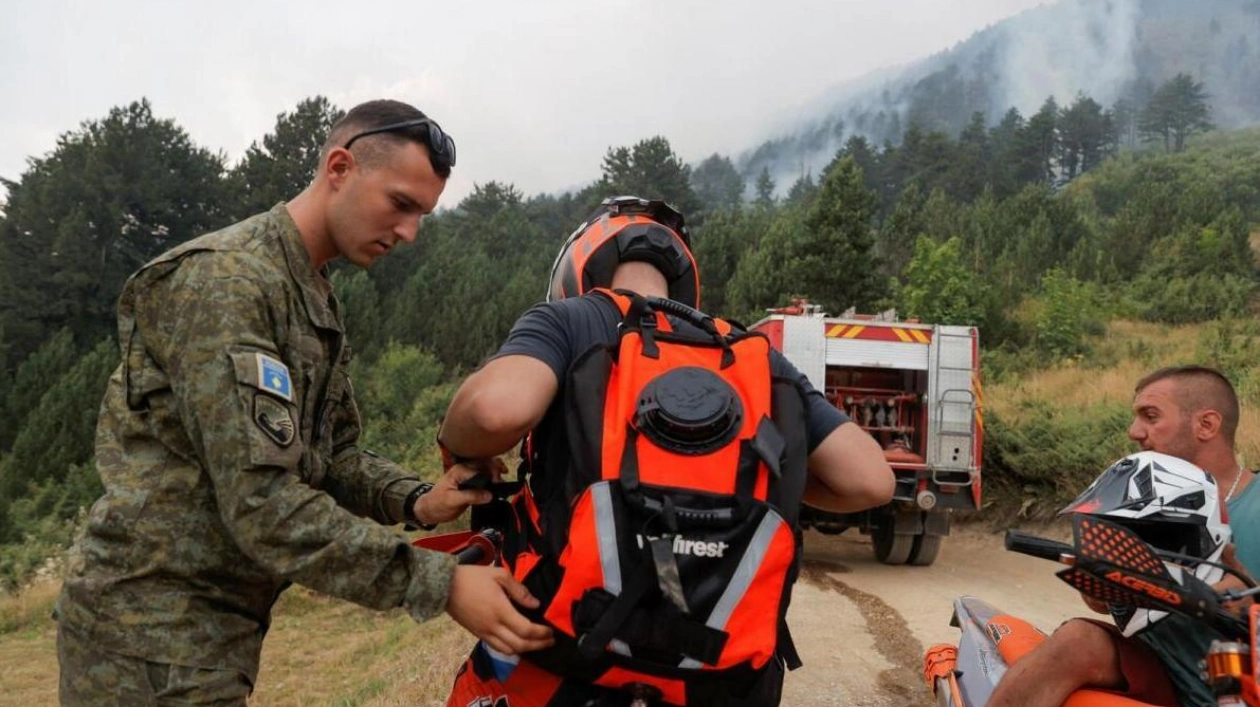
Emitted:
<point x="1051" y="454"/>
<point x="1064" y="312"/>
<point x="1195" y="298"/>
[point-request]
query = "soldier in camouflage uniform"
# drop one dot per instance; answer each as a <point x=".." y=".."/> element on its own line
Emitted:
<point x="228" y="446"/>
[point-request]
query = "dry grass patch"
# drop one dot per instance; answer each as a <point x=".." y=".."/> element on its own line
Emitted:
<point x="1137" y="348"/>
<point x="29" y="610"/>
<point x="323" y="651"/>
<point x="28" y="646"/>
<point x="30" y="667"/>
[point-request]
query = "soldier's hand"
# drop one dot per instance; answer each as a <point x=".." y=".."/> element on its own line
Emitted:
<point x="446" y="501"/>
<point x="481" y="600"/>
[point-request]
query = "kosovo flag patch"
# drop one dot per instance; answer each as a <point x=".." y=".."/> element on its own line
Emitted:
<point x="273" y="377"/>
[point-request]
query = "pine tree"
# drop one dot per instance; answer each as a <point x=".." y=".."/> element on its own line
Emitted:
<point x="833" y="259"/>
<point x="1036" y="146"/>
<point x="1178" y="110"/>
<point x="717" y="183"/>
<point x="867" y="158"/>
<point x="650" y="170"/>
<point x="1084" y="136"/>
<point x="57" y="434"/>
<point x="765" y="189"/>
<point x="1124" y="116"/>
<point x="37" y="374"/>
<point x="902" y="229"/>
<point x="802" y="191"/>
<point x="283" y="164"/>
<point x="726" y="238"/>
<point x="967" y="176"/>
<point x="1004" y="144"/>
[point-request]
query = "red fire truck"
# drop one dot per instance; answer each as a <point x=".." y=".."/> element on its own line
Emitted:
<point x="915" y="388"/>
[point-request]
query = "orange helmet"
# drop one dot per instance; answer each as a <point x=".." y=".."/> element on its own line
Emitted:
<point x="621" y="230"/>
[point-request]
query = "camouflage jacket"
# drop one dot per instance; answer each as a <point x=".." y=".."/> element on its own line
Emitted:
<point x="227" y="445"/>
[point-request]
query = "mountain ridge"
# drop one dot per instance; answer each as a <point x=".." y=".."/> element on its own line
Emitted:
<point x="1106" y="49"/>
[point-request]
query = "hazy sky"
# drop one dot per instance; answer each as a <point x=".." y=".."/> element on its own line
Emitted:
<point x="534" y="92"/>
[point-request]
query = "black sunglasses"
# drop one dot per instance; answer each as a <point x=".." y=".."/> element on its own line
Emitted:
<point x="655" y="209"/>
<point x="441" y="145"/>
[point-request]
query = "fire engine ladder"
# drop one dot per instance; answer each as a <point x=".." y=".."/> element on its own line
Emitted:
<point x="955" y="406"/>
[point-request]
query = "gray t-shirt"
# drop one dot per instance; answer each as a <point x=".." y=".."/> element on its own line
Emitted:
<point x="556" y="333"/>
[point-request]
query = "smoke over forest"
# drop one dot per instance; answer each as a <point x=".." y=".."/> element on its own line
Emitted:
<point x="1109" y="50"/>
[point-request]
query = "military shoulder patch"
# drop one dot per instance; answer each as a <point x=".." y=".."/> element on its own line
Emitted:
<point x="273" y="377"/>
<point x="274" y="420"/>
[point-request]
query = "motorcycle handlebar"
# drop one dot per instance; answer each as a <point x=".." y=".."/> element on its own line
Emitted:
<point x="1037" y="546"/>
<point x="480" y="548"/>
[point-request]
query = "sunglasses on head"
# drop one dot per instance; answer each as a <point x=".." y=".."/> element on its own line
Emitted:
<point x="657" y="210"/>
<point x="441" y="145"/>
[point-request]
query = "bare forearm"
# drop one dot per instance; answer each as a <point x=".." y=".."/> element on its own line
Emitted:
<point x="497" y="406"/>
<point x="848" y="472"/>
<point x="470" y="431"/>
<point x="823" y="498"/>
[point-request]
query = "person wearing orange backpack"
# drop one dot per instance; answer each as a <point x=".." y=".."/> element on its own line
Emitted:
<point x="666" y="454"/>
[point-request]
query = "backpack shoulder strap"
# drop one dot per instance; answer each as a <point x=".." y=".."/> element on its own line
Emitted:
<point x="622" y="299"/>
<point x="638" y="314"/>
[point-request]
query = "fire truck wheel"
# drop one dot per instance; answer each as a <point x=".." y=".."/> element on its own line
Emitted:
<point x="925" y="549"/>
<point x="891" y="548"/>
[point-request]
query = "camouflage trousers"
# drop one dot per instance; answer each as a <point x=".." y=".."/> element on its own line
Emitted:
<point x="91" y="676"/>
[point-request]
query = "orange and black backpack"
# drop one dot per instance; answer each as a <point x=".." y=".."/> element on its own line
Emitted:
<point x="666" y="555"/>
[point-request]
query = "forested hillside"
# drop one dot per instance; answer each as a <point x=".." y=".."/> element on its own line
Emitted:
<point x="1118" y="52"/>
<point x="1021" y="226"/>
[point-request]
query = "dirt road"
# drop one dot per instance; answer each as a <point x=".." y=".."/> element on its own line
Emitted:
<point x="861" y="627"/>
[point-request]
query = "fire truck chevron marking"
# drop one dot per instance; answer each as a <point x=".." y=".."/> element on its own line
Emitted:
<point x="878" y="333"/>
<point x="978" y="391"/>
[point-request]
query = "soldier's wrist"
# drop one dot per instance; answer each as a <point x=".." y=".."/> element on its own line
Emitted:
<point x="411" y="506"/>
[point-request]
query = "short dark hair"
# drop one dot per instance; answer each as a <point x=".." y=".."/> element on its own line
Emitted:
<point x="372" y="149"/>
<point x="1201" y="388"/>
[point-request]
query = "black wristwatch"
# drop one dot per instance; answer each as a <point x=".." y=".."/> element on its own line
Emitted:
<point x="409" y="506"/>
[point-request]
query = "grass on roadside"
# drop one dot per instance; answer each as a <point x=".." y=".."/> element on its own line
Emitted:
<point x="28" y="645"/>
<point x="29" y="610"/>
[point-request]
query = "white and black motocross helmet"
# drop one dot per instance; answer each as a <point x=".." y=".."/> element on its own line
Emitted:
<point x="1172" y="505"/>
